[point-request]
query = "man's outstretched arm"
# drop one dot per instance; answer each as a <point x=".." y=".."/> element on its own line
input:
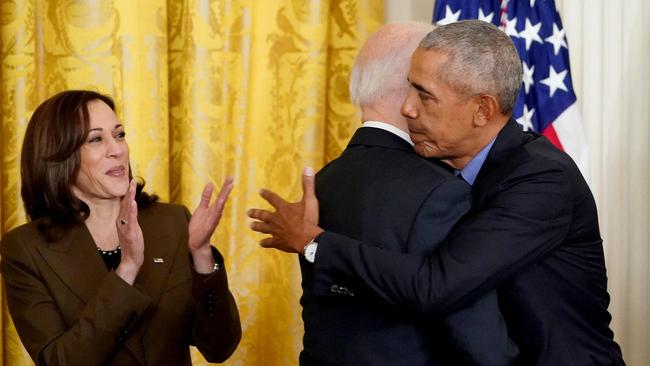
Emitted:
<point x="512" y="230"/>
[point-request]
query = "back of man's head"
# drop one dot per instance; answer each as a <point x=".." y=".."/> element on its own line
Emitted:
<point x="482" y="59"/>
<point x="379" y="73"/>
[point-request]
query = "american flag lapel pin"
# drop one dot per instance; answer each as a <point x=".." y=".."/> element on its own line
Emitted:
<point x="158" y="260"/>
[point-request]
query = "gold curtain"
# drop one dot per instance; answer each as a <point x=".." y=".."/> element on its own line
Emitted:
<point x="206" y="89"/>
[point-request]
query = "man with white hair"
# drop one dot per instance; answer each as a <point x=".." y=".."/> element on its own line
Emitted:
<point x="380" y="191"/>
<point x="532" y="232"/>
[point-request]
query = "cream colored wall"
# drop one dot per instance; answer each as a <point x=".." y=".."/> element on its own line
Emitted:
<point x="609" y="45"/>
<point x="401" y="10"/>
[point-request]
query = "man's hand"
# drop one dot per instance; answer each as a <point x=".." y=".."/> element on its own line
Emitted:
<point x="291" y="225"/>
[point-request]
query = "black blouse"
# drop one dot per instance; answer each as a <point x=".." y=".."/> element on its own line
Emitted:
<point x="111" y="257"/>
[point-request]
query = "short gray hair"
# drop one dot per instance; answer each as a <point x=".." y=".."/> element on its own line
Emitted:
<point x="482" y="59"/>
<point x="381" y="67"/>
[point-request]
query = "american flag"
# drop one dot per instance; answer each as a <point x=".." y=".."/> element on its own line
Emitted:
<point x="546" y="101"/>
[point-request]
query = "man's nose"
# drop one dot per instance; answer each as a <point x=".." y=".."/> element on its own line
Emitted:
<point x="409" y="109"/>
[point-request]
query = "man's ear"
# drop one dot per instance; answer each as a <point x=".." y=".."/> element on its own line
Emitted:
<point x="487" y="108"/>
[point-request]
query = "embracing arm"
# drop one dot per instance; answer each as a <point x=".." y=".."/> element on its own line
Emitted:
<point x="104" y="323"/>
<point x="527" y="218"/>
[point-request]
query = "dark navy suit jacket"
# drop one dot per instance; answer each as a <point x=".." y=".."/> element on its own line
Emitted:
<point x="380" y="191"/>
<point x="532" y="231"/>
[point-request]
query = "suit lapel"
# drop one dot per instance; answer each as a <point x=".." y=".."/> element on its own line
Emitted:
<point x="75" y="260"/>
<point x="159" y="254"/>
<point x="494" y="169"/>
<point x="151" y="281"/>
<point x="158" y="259"/>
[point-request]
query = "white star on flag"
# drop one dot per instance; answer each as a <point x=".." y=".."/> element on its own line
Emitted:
<point x="526" y="119"/>
<point x="450" y="16"/>
<point x="527" y="77"/>
<point x="532" y="3"/>
<point x="531" y="33"/>
<point x="555" y="80"/>
<point x="511" y="27"/>
<point x="483" y="17"/>
<point x="557" y="39"/>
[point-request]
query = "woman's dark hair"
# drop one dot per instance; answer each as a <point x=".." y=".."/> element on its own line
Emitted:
<point x="50" y="162"/>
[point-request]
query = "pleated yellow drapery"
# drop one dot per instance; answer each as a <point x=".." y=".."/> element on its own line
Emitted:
<point x="206" y="89"/>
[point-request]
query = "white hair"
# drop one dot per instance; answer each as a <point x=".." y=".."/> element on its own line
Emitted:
<point x="381" y="67"/>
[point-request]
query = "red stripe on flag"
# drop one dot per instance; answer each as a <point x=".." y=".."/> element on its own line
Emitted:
<point x="504" y="14"/>
<point x="550" y="134"/>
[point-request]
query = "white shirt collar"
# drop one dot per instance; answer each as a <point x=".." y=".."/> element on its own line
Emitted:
<point x="390" y="128"/>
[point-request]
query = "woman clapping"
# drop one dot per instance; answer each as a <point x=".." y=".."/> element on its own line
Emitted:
<point x="103" y="274"/>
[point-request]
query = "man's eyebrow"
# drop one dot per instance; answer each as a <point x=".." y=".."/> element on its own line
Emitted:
<point x="419" y="87"/>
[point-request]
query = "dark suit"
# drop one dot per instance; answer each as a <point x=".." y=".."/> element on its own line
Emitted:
<point x="532" y="231"/>
<point x="70" y="310"/>
<point x="380" y="191"/>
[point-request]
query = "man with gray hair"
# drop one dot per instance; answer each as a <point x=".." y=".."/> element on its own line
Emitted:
<point x="532" y="231"/>
<point x="380" y="191"/>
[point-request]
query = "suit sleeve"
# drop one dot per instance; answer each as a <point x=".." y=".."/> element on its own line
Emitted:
<point x="529" y="215"/>
<point x="104" y="323"/>
<point x="216" y="330"/>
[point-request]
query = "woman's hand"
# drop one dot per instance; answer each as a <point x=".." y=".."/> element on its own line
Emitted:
<point x="130" y="236"/>
<point x="203" y="223"/>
